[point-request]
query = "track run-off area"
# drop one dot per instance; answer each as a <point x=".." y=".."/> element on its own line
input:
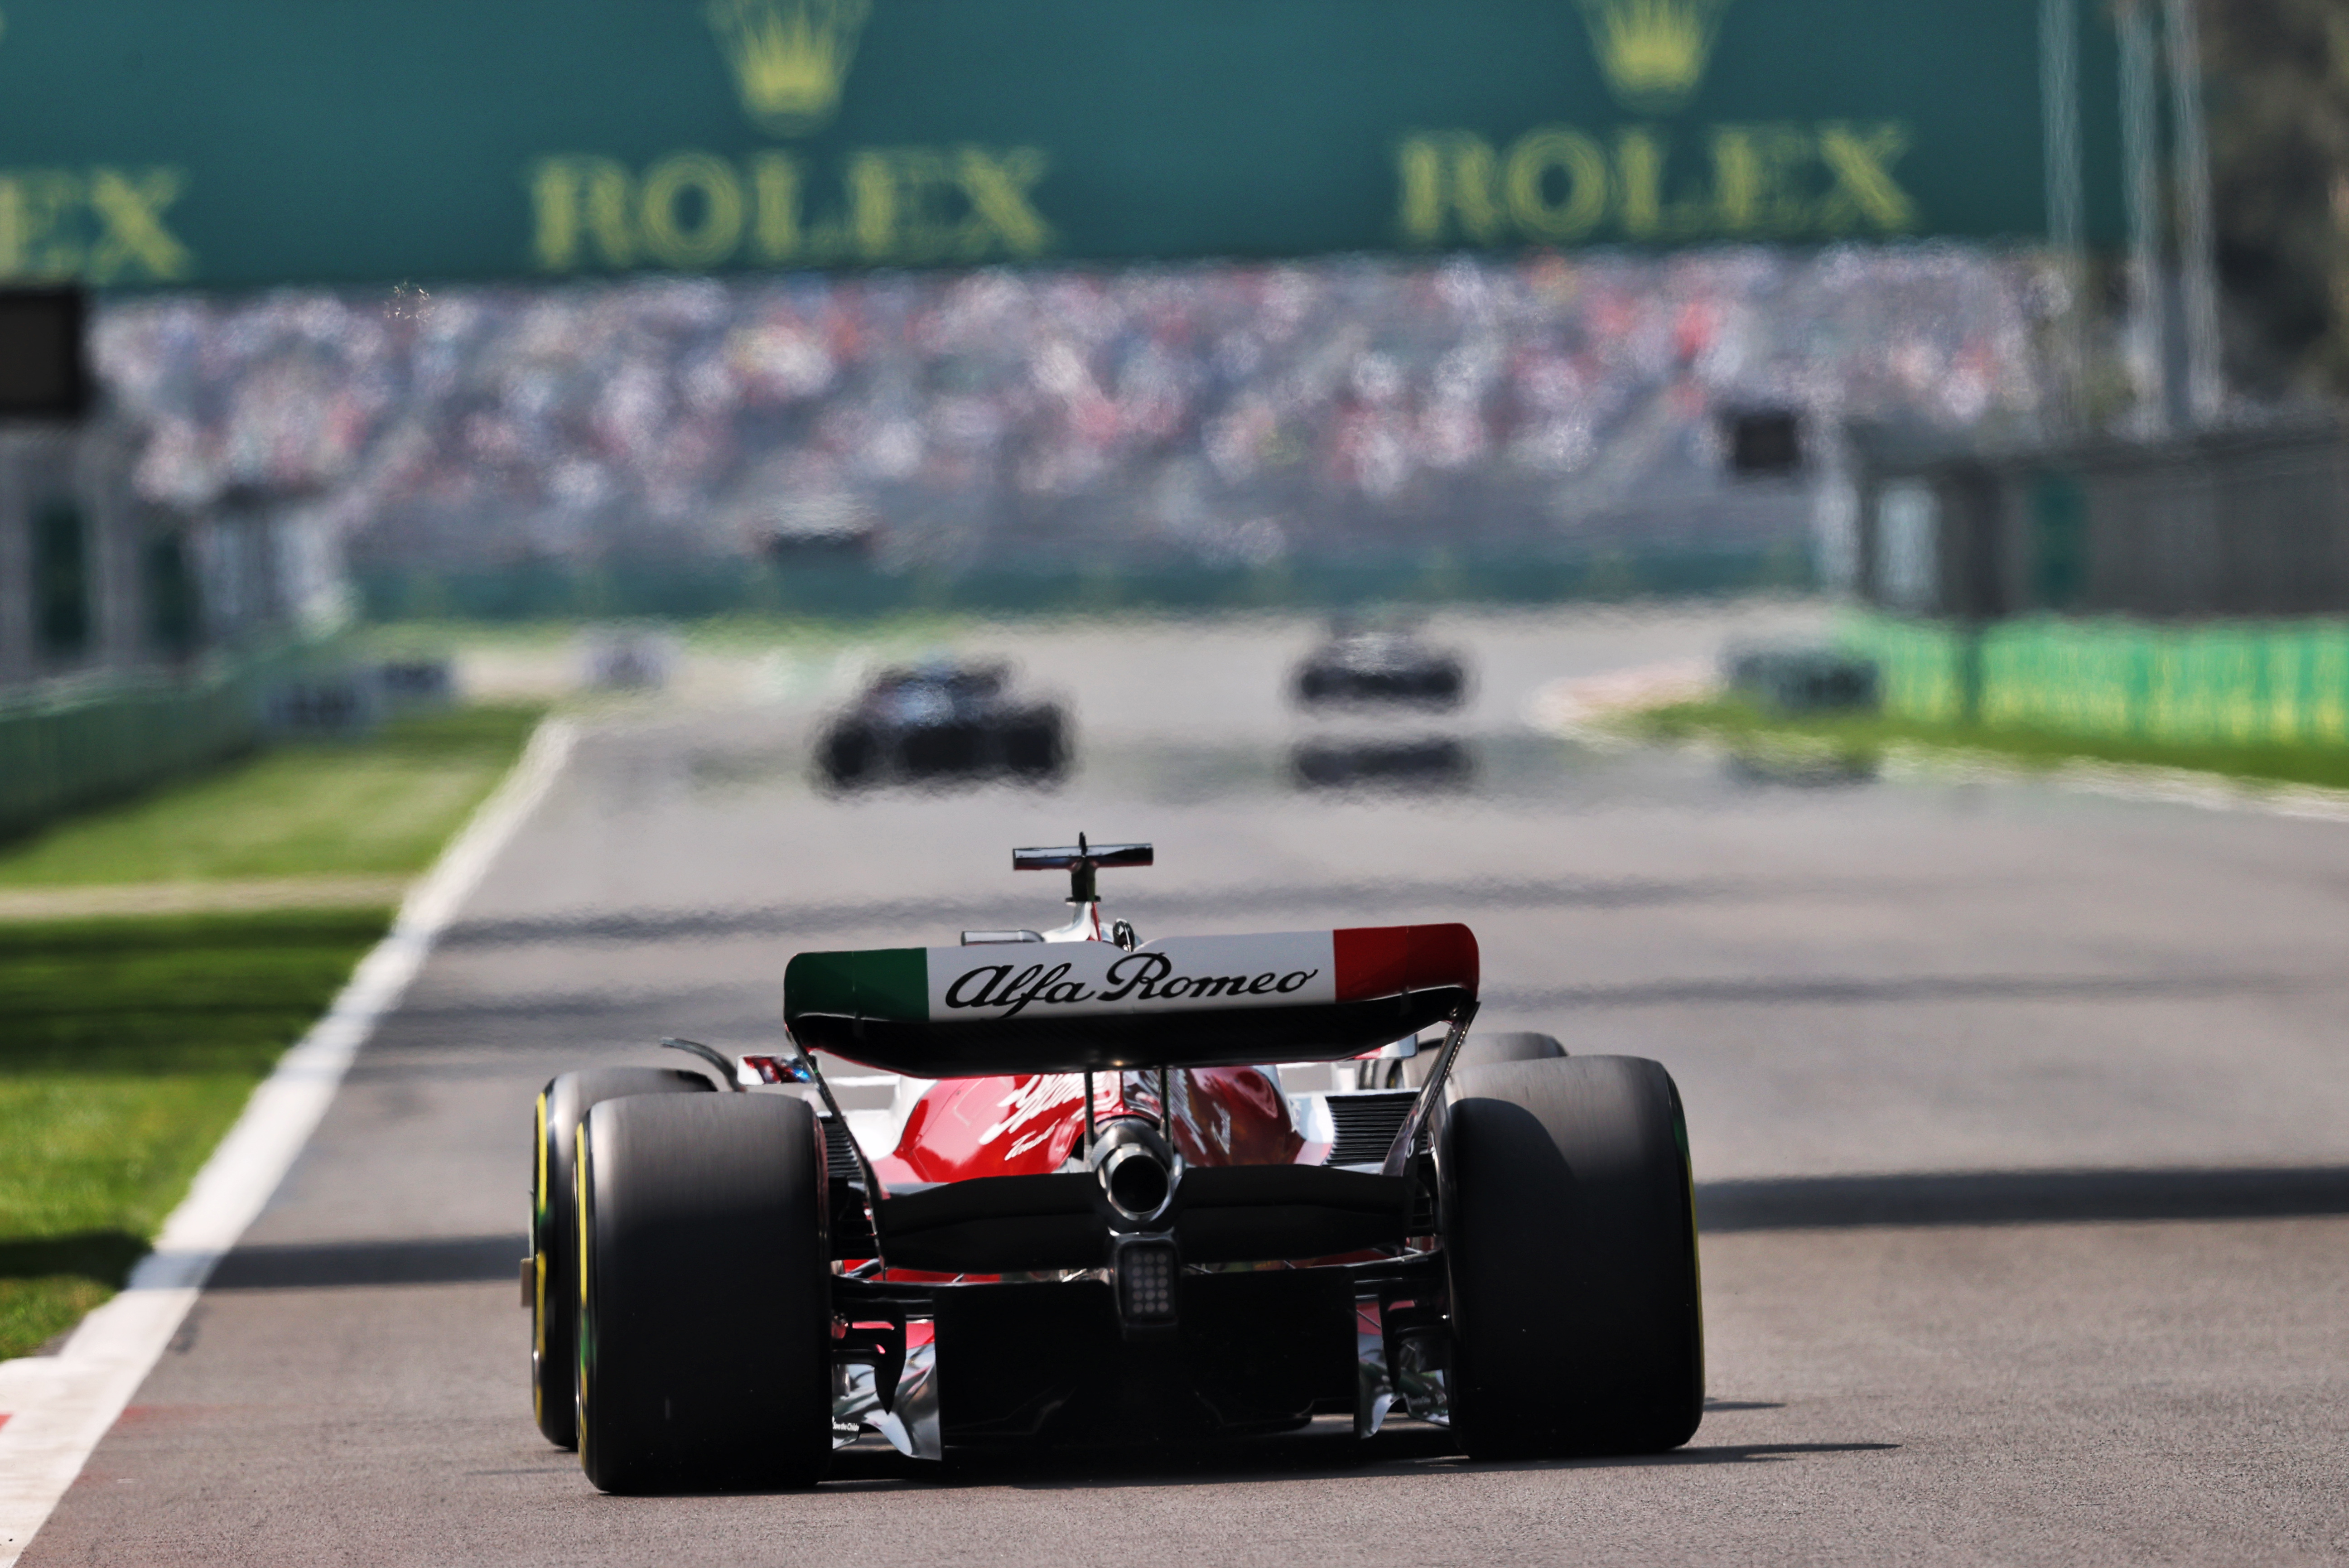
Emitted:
<point x="2019" y="1119"/>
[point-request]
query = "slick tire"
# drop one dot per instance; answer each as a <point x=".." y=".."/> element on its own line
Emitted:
<point x="554" y="1263"/>
<point x="1577" y="1326"/>
<point x="850" y="755"/>
<point x="1035" y="746"/>
<point x="1444" y="686"/>
<point x="704" y="1304"/>
<point x="1483" y="1050"/>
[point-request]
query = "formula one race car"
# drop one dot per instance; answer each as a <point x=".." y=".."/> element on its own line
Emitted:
<point x="1096" y="1215"/>
<point x="943" y="721"/>
<point x="1380" y="664"/>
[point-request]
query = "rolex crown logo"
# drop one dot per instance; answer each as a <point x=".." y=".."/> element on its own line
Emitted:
<point x="789" y="58"/>
<point x="1654" y="52"/>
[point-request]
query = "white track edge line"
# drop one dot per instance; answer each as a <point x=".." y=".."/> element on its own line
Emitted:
<point x="58" y="1407"/>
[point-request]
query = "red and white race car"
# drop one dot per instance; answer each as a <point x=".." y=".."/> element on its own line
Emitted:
<point x="1127" y="1192"/>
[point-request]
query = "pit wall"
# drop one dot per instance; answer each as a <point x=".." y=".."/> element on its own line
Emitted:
<point x="2263" y="683"/>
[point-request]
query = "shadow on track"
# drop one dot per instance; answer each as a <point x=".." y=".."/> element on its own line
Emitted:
<point x="1792" y="1203"/>
<point x="816" y="919"/>
<point x="105" y="1256"/>
<point x="1328" y="1451"/>
<point x="2022" y="1198"/>
<point x="425" y="1261"/>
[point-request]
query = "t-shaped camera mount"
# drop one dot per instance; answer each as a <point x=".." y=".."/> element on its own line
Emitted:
<point x="1080" y="862"/>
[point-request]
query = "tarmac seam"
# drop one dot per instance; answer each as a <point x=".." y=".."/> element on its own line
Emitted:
<point x="54" y="1410"/>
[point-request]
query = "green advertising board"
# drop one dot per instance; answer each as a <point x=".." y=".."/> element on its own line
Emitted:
<point x="232" y="144"/>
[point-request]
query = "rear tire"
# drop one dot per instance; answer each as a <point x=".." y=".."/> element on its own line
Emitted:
<point x="1576" y="1324"/>
<point x="1483" y="1051"/>
<point x="554" y="1292"/>
<point x="1444" y="685"/>
<point x="1035" y="746"/>
<point x="850" y="755"/>
<point x="705" y="1309"/>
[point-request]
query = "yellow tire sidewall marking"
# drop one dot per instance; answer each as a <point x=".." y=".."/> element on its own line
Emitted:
<point x="538" y="1217"/>
<point x="579" y="1183"/>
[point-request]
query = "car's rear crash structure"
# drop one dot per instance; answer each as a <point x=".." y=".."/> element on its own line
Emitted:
<point x="1099" y="1216"/>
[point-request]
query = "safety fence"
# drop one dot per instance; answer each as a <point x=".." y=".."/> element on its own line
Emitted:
<point x="68" y="749"/>
<point x="2229" y="525"/>
<point x="2280" y="682"/>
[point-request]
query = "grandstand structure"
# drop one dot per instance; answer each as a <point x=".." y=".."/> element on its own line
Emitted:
<point x="104" y="587"/>
<point x="1177" y="417"/>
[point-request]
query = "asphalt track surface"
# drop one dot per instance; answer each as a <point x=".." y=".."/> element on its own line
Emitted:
<point x="2021" y="1117"/>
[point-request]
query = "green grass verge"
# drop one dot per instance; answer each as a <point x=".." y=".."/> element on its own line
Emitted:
<point x="379" y="806"/>
<point x="127" y="1047"/>
<point x="1858" y="739"/>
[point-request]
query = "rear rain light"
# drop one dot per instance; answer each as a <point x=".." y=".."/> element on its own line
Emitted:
<point x="1146" y="1270"/>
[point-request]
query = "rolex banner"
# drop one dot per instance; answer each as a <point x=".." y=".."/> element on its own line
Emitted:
<point x="239" y="143"/>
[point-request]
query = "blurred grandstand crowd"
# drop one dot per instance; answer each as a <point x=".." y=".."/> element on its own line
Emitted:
<point x="1224" y="414"/>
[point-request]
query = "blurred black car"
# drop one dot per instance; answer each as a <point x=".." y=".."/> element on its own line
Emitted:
<point x="942" y="721"/>
<point x="1376" y="664"/>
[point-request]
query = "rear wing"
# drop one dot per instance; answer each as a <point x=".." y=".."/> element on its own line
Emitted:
<point x="1184" y="1002"/>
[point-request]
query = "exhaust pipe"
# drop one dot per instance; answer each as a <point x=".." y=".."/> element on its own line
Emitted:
<point x="1136" y="1169"/>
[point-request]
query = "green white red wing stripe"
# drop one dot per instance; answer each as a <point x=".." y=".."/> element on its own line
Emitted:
<point x="1072" y="980"/>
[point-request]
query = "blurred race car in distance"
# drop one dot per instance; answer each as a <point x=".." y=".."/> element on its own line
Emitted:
<point x="944" y="720"/>
<point x="1376" y="662"/>
<point x="1127" y="1192"/>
